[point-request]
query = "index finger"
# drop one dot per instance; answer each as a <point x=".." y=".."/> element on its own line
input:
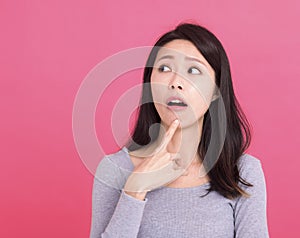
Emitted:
<point x="170" y="132"/>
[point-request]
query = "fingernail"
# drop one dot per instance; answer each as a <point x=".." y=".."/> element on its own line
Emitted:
<point x="176" y="121"/>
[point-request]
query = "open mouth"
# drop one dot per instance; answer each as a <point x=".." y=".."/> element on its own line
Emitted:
<point x="176" y="102"/>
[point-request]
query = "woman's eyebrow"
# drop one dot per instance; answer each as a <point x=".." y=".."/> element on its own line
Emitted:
<point x="186" y="57"/>
<point x="195" y="59"/>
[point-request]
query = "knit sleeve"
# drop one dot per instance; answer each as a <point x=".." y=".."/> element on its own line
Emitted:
<point x="251" y="213"/>
<point x="114" y="213"/>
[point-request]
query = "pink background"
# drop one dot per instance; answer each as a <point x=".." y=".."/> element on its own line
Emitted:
<point x="48" y="47"/>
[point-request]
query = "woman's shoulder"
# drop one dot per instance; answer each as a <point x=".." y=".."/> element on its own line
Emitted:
<point x="120" y="158"/>
<point x="248" y="161"/>
<point x="114" y="168"/>
<point x="250" y="168"/>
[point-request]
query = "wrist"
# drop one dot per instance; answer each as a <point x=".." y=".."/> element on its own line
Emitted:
<point x="138" y="195"/>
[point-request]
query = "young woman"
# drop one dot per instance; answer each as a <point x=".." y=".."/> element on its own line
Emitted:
<point x="184" y="173"/>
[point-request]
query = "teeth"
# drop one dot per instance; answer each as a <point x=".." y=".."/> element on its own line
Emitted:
<point x="176" y="101"/>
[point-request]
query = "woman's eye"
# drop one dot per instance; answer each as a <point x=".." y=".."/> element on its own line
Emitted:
<point x="164" y="68"/>
<point x="194" y="70"/>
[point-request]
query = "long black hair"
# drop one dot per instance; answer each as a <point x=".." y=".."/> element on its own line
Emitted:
<point x="224" y="175"/>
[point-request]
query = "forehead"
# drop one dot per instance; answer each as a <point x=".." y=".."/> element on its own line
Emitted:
<point x="180" y="47"/>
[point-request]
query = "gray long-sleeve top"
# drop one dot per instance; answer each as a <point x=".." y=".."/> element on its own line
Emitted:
<point x="176" y="212"/>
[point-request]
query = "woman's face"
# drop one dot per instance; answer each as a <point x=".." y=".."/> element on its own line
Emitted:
<point x="181" y="72"/>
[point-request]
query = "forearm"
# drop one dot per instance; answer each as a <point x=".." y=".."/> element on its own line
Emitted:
<point x="127" y="217"/>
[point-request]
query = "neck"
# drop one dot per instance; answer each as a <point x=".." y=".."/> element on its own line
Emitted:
<point x="185" y="141"/>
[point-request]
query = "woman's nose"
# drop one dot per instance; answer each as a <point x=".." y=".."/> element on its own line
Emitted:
<point x="176" y="82"/>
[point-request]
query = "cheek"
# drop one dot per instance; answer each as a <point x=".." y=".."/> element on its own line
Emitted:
<point x="158" y="90"/>
<point x="156" y="95"/>
<point x="200" y="98"/>
<point x="203" y="90"/>
<point x="198" y="106"/>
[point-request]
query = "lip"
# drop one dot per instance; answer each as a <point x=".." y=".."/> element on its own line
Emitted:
<point x="176" y="108"/>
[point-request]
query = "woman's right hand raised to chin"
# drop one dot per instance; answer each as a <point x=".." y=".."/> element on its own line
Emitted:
<point x="155" y="170"/>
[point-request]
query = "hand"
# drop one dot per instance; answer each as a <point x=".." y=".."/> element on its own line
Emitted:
<point x="156" y="170"/>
